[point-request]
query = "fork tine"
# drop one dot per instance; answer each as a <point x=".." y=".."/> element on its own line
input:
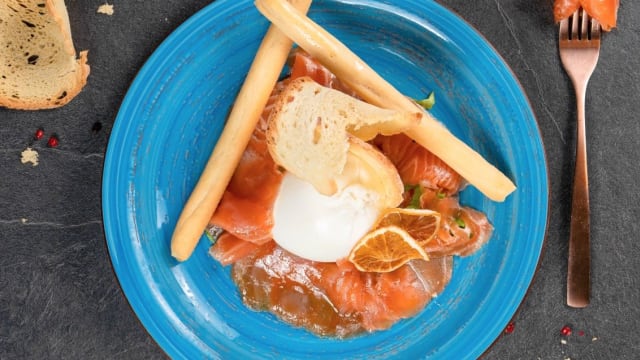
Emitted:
<point x="564" y="30"/>
<point x="595" y="30"/>
<point x="584" y="26"/>
<point x="575" y="25"/>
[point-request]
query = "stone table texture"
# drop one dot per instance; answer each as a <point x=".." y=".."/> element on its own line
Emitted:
<point x="59" y="298"/>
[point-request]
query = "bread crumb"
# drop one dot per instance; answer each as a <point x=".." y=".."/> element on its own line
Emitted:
<point x="106" y="9"/>
<point x="29" y="156"/>
<point x="594" y="339"/>
<point x="563" y="342"/>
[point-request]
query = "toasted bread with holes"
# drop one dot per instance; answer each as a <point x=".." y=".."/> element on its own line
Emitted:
<point x="39" y="68"/>
<point x="313" y="129"/>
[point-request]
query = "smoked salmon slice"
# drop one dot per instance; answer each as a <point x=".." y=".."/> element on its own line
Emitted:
<point x="417" y="165"/>
<point x="381" y="299"/>
<point x="246" y="207"/>
<point x="605" y="11"/>
<point x="463" y="230"/>
<point x="302" y="64"/>
<point x="271" y="279"/>
<point x="336" y="299"/>
<point x="228" y="249"/>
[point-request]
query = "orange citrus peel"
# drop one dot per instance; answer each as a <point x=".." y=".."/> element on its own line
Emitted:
<point x="399" y="236"/>
<point x="385" y="249"/>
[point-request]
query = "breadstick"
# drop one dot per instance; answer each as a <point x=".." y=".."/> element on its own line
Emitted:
<point x="350" y="69"/>
<point x="252" y="98"/>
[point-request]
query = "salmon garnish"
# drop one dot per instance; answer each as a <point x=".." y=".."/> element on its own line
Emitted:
<point x="228" y="249"/>
<point x="272" y="279"/>
<point x="302" y="64"/>
<point x="417" y="165"/>
<point x="382" y="299"/>
<point x="246" y="207"/>
<point x="605" y="11"/>
<point x="335" y="298"/>
<point x="463" y="230"/>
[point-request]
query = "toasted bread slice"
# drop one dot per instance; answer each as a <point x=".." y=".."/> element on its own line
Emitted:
<point x="311" y="127"/>
<point x="39" y="68"/>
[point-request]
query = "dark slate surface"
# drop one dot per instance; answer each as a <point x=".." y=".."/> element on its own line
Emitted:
<point x="60" y="299"/>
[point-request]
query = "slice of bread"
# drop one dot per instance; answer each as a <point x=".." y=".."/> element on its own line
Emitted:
<point x="312" y="128"/>
<point x="39" y="68"/>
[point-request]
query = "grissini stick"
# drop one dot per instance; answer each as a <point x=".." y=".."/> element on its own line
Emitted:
<point x="369" y="85"/>
<point x="245" y="114"/>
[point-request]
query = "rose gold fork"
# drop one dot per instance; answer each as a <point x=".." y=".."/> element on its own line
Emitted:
<point x="579" y="47"/>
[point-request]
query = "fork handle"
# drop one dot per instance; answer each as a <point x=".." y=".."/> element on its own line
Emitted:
<point x="579" y="260"/>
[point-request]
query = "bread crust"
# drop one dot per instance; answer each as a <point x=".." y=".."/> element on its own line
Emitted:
<point x="40" y="70"/>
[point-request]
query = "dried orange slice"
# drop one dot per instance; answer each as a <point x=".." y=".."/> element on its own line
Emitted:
<point x="421" y="224"/>
<point x="385" y="249"/>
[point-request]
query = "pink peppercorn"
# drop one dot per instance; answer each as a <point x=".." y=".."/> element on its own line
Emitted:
<point x="38" y="134"/>
<point x="510" y="327"/>
<point x="53" y="141"/>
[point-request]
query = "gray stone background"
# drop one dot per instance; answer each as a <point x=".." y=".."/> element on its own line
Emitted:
<point x="59" y="298"/>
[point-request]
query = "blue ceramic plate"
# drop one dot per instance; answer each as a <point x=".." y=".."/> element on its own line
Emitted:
<point x="174" y="112"/>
